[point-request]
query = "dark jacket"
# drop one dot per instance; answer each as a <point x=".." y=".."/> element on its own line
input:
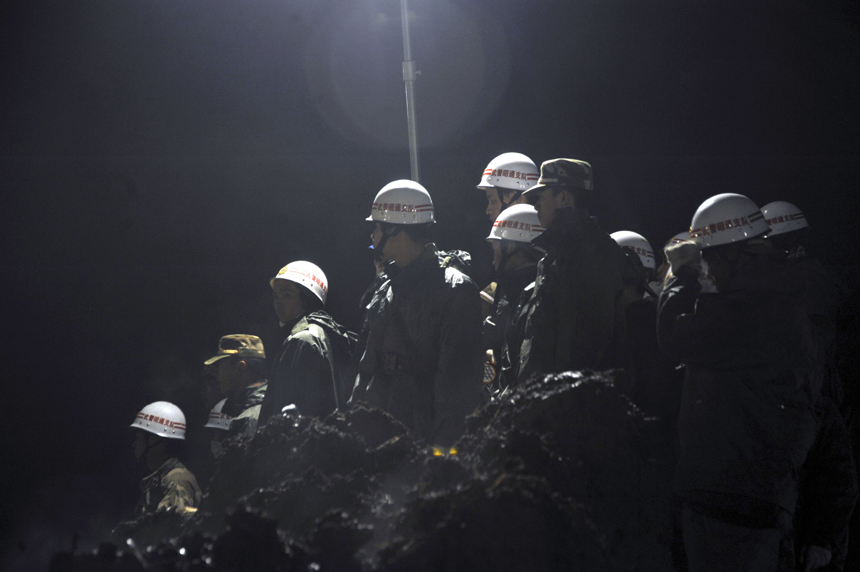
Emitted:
<point x="828" y="486"/>
<point x="514" y="335"/>
<point x="507" y="296"/>
<point x="421" y="353"/>
<point x="656" y="380"/>
<point x="575" y="319"/>
<point x="310" y="368"/>
<point x="746" y="421"/>
<point x="504" y="329"/>
<point x="823" y="294"/>
<point x="459" y="259"/>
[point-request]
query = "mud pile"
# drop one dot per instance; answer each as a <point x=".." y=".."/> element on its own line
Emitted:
<point x="563" y="473"/>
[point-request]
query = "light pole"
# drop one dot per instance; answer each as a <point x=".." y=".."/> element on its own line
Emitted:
<point x="409" y="76"/>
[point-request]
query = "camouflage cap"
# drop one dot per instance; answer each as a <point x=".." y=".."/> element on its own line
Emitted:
<point x="241" y="345"/>
<point x="564" y="173"/>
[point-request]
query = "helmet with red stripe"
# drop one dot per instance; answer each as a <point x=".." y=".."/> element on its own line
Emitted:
<point x="727" y="218"/>
<point x="305" y="274"/>
<point x="217" y="418"/>
<point x="518" y="223"/>
<point x="783" y="217"/>
<point x="402" y="202"/>
<point x="638" y="244"/>
<point x="679" y="238"/>
<point x="161" y="418"/>
<point x="509" y="171"/>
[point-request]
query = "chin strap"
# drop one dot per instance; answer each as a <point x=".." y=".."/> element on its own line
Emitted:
<point x="142" y="459"/>
<point x="503" y="262"/>
<point x="797" y="252"/>
<point x="514" y="198"/>
<point x="377" y="251"/>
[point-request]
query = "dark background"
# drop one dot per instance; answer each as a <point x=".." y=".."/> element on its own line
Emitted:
<point x="161" y="160"/>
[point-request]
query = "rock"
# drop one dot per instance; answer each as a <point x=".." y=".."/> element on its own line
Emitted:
<point x="563" y="473"/>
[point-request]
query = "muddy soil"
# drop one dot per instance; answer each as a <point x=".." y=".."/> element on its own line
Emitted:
<point x="563" y="473"/>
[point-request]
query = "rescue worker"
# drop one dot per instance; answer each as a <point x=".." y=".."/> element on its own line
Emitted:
<point x="828" y="490"/>
<point x="640" y="246"/>
<point x="654" y="382"/>
<point x="789" y="229"/>
<point x="159" y="430"/>
<point x="503" y="182"/>
<point x="576" y="318"/>
<point x="515" y="262"/>
<point x="653" y="385"/>
<point x="746" y="422"/>
<point x="240" y="367"/>
<point x="789" y="235"/>
<point x="310" y="369"/>
<point x="421" y="344"/>
<point x="210" y="394"/>
<point x="663" y="269"/>
<point x="828" y="493"/>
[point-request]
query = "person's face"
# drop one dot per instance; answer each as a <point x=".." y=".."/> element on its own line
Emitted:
<point x="376" y="237"/>
<point x="227" y="373"/>
<point x="497" y="254"/>
<point x="139" y="444"/>
<point x="494" y="204"/>
<point x="719" y="267"/>
<point x="548" y="201"/>
<point x="288" y="303"/>
<point x="209" y="393"/>
<point x="216" y="445"/>
<point x="394" y="245"/>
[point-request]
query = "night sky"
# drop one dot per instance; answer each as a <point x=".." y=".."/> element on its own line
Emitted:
<point x="161" y="160"/>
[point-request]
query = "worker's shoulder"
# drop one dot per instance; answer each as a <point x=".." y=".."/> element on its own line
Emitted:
<point x="456" y="279"/>
<point x="179" y="474"/>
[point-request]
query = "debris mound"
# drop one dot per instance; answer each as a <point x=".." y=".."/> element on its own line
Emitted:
<point x="561" y="473"/>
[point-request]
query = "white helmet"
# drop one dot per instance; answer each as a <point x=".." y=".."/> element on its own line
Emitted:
<point x="518" y="223"/>
<point x="638" y="244"/>
<point x="306" y="274"/>
<point x="679" y="238"/>
<point x="726" y="218"/>
<point x="161" y="418"/>
<point x="218" y="419"/>
<point x="402" y="202"/>
<point x="511" y="171"/>
<point x="783" y="217"/>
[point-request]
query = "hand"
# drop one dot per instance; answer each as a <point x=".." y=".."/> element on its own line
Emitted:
<point x="816" y="557"/>
<point x="683" y="254"/>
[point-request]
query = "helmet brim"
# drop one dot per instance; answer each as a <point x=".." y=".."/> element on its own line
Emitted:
<point x="212" y="360"/>
<point x="535" y="188"/>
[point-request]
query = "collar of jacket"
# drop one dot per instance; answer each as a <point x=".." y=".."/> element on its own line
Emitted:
<point x="513" y="282"/>
<point x="322" y="319"/>
<point x="429" y="259"/>
<point x="168" y="466"/>
<point x="567" y="221"/>
<point x="295" y="325"/>
<point x="318" y="317"/>
<point x="252" y="395"/>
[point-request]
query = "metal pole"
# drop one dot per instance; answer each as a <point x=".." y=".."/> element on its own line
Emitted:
<point x="409" y="77"/>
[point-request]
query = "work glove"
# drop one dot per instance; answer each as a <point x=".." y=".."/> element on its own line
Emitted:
<point x="683" y="254"/>
<point x="491" y="371"/>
